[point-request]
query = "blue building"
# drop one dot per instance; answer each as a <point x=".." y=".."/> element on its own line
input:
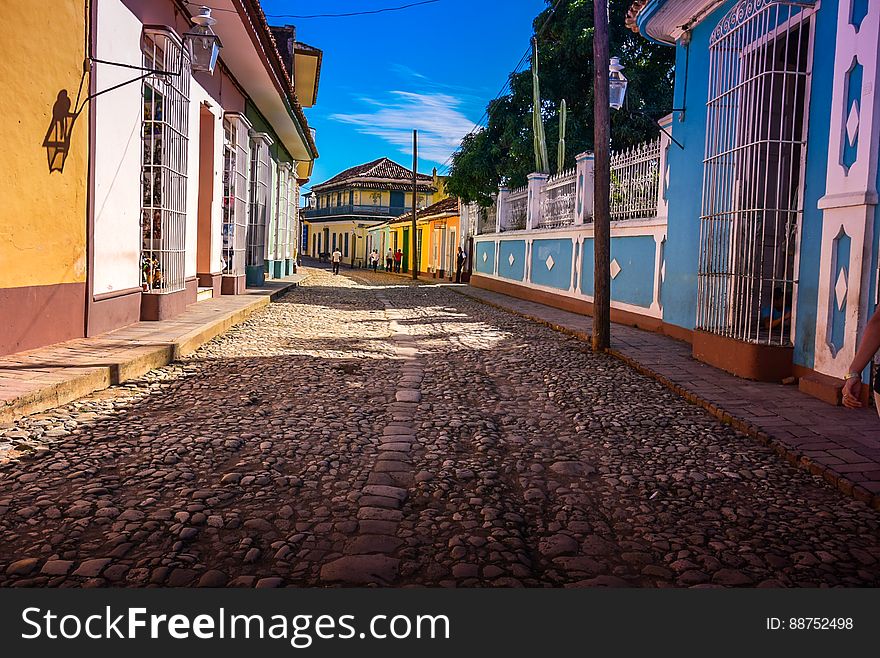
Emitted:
<point x="753" y="233"/>
<point x="772" y="259"/>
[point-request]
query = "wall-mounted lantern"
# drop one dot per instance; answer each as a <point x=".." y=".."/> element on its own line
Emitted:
<point x="616" y="84"/>
<point x="203" y="45"/>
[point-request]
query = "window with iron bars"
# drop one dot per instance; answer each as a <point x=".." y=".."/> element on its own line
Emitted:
<point x="164" y="163"/>
<point x="259" y="199"/>
<point x="236" y="169"/>
<point x="753" y="171"/>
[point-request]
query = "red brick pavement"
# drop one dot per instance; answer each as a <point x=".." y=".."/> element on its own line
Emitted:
<point x="841" y="445"/>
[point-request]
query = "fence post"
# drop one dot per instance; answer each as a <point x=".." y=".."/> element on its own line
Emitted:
<point x="502" y="209"/>
<point x="537" y="182"/>
<point x="584" y="187"/>
<point x="663" y="172"/>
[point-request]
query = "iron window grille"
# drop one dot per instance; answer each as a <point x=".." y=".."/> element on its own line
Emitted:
<point x="281" y="210"/>
<point x="164" y="149"/>
<point x="753" y="171"/>
<point x="236" y="169"/>
<point x="261" y="175"/>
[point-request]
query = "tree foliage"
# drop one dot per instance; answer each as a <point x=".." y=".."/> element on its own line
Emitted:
<point x="503" y="150"/>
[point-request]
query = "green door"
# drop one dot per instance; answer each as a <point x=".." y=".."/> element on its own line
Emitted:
<point x="405" y="263"/>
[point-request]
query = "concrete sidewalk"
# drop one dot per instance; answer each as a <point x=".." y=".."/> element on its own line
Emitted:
<point x="47" y="377"/>
<point x="841" y="445"/>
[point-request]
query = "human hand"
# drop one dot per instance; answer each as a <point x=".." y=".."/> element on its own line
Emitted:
<point x="852" y="393"/>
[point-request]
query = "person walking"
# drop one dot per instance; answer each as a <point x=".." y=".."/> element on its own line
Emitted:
<point x="374" y="260"/>
<point x="389" y="260"/>
<point x="459" y="264"/>
<point x="852" y="387"/>
<point x="336" y="259"/>
<point x="398" y="259"/>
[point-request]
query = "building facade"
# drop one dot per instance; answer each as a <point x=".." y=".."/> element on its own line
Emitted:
<point x="45" y="161"/>
<point x="781" y="122"/>
<point x="340" y="211"/>
<point x="438" y="238"/>
<point x="166" y="174"/>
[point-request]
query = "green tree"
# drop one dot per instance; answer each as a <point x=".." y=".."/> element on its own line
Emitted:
<point x="503" y="150"/>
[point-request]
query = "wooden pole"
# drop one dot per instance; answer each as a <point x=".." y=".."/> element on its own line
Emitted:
<point x="602" y="190"/>
<point x="415" y="196"/>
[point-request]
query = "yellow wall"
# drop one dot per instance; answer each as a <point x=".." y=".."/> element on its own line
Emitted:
<point x="42" y="214"/>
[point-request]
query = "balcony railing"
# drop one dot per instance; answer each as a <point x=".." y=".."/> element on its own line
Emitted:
<point x="354" y="210"/>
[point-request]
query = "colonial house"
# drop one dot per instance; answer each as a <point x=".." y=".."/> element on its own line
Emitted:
<point x="339" y="211"/>
<point x="438" y="238"/>
<point x="750" y="228"/>
<point x="780" y="119"/>
<point x="173" y="144"/>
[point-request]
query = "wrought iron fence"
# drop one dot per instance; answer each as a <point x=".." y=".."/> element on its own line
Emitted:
<point x="558" y="200"/>
<point x="635" y="176"/>
<point x="486" y="219"/>
<point x="517" y="209"/>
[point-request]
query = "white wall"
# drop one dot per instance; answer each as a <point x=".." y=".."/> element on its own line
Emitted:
<point x="117" y="160"/>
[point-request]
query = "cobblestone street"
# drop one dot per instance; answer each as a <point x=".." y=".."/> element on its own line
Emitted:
<point x="364" y="430"/>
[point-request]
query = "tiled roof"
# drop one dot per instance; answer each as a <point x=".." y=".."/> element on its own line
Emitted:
<point x="633" y="13"/>
<point x="381" y="173"/>
<point x="447" y="206"/>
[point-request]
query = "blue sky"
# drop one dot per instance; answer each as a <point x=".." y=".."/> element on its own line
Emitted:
<point x="432" y="67"/>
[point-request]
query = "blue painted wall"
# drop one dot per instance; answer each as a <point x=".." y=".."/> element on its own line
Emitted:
<point x="635" y="282"/>
<point x="686" y="175"/>
<point x="814" y="188"/>
<point x="588" y="268"/>
<point x="487" y="249"/>
<point x="559" y="276"/>
<point x="517" y="249"/>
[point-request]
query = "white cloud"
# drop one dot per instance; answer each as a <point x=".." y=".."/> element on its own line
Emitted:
<point x="436" y="116"/>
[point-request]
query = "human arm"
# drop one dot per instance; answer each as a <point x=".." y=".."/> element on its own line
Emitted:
<point x="852" y="388"/>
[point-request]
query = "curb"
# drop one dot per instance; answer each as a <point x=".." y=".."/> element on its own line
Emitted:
<point x="792" y="456"/>
<point x="146" y="358"/>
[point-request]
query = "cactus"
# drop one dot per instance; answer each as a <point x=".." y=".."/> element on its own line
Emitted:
<point x="560" y="152"/>
<point x="541" y="161"/>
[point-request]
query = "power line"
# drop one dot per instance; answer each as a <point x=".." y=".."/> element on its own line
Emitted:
<point x="522" y="60"/>
<point x="355" y="13"/>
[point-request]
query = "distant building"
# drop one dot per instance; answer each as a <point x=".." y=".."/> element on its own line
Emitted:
<point x="438" y="238"/>
<point x="339" y="211"/>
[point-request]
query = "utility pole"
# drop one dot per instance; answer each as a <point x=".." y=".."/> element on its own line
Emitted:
<point x="415" y="196"/>
<point x="602" y="186"/>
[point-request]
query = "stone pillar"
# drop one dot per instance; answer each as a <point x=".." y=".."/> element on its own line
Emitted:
<point x="584" y="188"/>
<point x="663" y="184"/>
<point x="501" y="209"/>
<point x="536" y="186"/>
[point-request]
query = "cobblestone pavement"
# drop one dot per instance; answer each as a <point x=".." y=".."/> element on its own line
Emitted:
<point x="364" y="430"/>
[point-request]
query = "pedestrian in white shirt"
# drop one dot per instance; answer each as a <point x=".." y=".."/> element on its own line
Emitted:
<point x="336" y="258"/>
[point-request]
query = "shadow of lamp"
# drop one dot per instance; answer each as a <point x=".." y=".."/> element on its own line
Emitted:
<point x="57" y="141"/>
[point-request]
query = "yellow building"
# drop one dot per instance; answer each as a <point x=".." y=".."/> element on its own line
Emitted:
<point x="438" y="238"/>
<point x="340" y="211"/>
<point x="140" y="175"/>
<point x="44" y="160"/>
